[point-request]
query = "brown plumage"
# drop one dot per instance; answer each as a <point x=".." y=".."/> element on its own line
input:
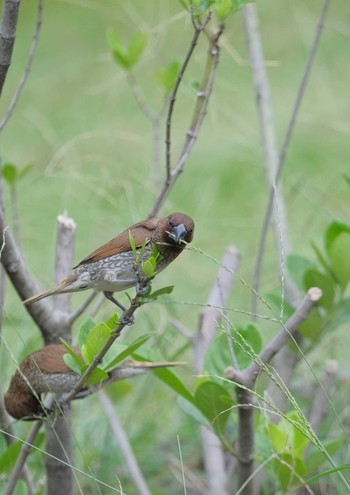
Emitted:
<point x="111" y="268"/>
<point x="42" y="371"/>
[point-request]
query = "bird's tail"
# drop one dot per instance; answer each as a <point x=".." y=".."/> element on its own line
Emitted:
<point x="60" y="288"/>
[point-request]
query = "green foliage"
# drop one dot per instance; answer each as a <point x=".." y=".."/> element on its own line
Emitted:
<point x="9" y="457"/>
<point x="215" y="403"/>
<point x="167" y="77"/>
<point x="246" y="341"/>
<point x="12" y="174"/>
<point x="127" y="56"/>
<point x="222" y="8"/>
<point x="92" y="338"/>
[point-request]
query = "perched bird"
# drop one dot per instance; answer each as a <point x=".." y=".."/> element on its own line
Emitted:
<point x="42" y="371"/>
<point x="111" y="268"/>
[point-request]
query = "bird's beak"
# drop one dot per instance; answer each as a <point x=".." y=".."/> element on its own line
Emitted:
<point x="178" y="233"/>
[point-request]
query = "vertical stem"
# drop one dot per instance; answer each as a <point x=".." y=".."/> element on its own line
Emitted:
<point x="246" y="441"/>
<point x="58" y="436"/>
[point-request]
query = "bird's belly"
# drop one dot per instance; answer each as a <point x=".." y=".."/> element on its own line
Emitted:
<point x="113" y="274"/>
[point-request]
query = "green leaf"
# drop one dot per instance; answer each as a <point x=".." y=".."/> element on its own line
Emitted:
<point x="333" y="231"/>
<point x="289" y="470"/>
<point x="9" y="457"/>
<point x="339" y="255"/>
<point x="21" y="489"/>
<point x="97" y="376"/>
<point x="127" y="57"/>
<point x="113" y="321"/>
<point x="112" y="362"/>
<point x="277" y="437"/>
<point x="167" y="77"/>
<point x="314" y="278"/>
<point x="161" y="292"/>
<point x="238" y="4"/>
<point x="215" y="403"/>
<point x="297" y="438"/>
<point x="297" y="266"/>
<point x="85" y="328"/>
<point x="243" y="337"/>
<point x="96" y="340"/>
<point x="148" y="268"/>
<point x="73" y="355"/>
<point x="10" y="173"/>
<point x="341" y="314"/>
<point x="173" y="381"/>
<point x="72" y="364"/>
<point x="137" y="45"/>
<point x="322" y="260"/>
<point x="222" y="8"/>
<point x="119" y="51"/>
<point x="132" y="243"/>
<point x="200" y="6"/>
<point x="313" y="326"/>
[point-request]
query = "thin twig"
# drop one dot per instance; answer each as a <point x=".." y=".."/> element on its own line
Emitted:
<point x="127" y="316"/>
<point x="197" y="31"/>
<point x="78" y="312"/>
<point x="124" y="444"/>
<point x="249" y="376"/>
<point x="285" y="145"/>
<point x="199" y="113"/>
<point x="7" y="36"/>
<point x="28" y="67"/>
<point x="268" y="137"/>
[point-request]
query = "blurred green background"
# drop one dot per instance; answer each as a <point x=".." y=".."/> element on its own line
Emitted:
<point x="91" y="152"/>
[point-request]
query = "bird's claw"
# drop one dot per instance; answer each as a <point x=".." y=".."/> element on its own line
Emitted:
<point x="126" y="320"/>
<point x="141" y="291"/>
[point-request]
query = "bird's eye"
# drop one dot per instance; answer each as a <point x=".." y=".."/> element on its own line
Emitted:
<point x="171" y="223"/>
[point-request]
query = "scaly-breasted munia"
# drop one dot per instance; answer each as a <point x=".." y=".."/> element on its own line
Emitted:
<point x="111" y="268"/>
<point x="42" y="371"/>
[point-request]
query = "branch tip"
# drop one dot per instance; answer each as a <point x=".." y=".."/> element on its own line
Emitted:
<point x="314" y="294"/>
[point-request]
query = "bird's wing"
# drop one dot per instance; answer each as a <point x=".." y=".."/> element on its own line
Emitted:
<point x="49" y="359"/>
<point x="140" y="231"/>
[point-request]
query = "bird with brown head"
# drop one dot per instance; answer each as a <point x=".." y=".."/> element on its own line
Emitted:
<point x="111" y="268"/>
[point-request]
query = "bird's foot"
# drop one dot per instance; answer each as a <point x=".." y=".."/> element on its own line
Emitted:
<point x="142" y="290"/>
<point x="126" y="320"/>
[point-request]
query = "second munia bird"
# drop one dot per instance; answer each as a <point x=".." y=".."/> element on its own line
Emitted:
<point x="111" y="268"/>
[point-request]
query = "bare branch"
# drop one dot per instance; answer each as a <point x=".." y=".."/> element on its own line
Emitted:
<point x="249" y="12"/>
<point x="7" y="36"/>
<point x="124" y="444"/>
<point x="27" y="69"/>
<point x="78" y="312"/>
<point x="42" y="312"/>
<point x="66" y="228"/>
<point x="199" y="113"/>
<point x="268" y="136"/>
<point x="249" y="376"/>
